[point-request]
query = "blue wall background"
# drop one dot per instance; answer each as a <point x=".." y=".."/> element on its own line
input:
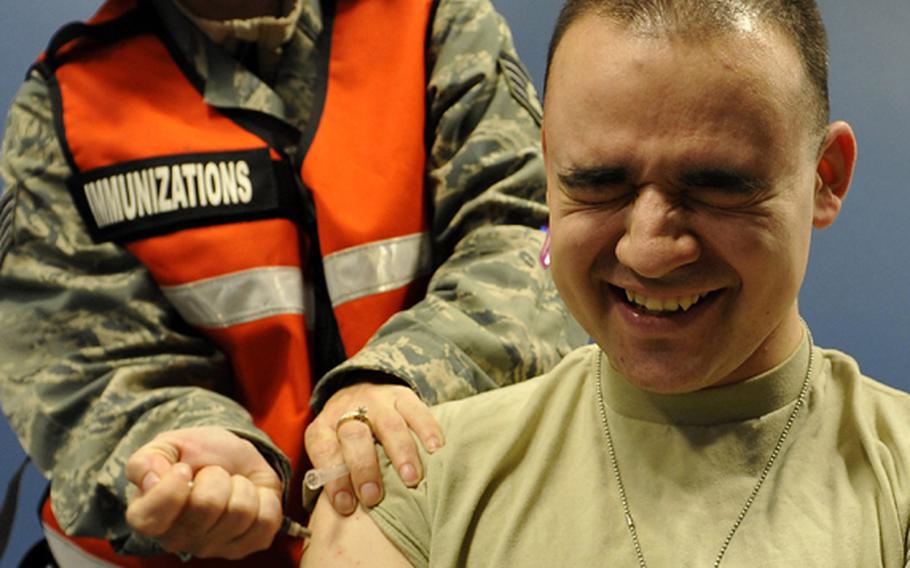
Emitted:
<point x="856" y="295"/>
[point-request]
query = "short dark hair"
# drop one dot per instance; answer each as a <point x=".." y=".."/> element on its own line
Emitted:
<point x="798" y="19"/>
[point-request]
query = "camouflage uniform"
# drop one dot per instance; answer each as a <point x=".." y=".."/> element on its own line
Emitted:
<point x="94" y="362"/>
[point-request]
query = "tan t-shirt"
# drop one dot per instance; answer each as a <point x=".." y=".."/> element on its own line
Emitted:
<point x="525" y="477"/>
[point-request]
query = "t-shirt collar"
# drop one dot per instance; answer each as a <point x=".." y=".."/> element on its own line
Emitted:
<point x="748" y="399"/>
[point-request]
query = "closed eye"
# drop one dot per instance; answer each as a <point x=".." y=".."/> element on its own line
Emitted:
<point x="723" y="188"/>
<point x="596" y="185"/>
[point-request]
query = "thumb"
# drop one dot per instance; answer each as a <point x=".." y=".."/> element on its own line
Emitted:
<point x="149" y="464"/>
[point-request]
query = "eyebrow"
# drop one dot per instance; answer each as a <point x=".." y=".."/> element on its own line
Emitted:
<point x="595" y="176"/>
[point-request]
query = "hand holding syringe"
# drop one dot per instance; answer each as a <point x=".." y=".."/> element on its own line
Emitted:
<point x="316" y="478"/>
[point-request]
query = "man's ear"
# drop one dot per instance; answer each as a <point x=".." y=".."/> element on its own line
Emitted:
<point x="833" y="173"/>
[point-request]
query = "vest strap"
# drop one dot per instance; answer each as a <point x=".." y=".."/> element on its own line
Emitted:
<point x="377" y="267"/>
<point x="240" y="297"/>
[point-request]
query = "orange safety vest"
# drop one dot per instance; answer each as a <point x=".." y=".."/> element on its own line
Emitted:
<point x="228" y="225"/>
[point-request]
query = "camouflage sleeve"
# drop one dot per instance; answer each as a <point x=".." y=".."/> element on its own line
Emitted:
<point x="93" y="361"/>
<point x="492" y="315"/>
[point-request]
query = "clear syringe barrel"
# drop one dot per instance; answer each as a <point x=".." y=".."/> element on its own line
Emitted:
<point x="316" y="478"/>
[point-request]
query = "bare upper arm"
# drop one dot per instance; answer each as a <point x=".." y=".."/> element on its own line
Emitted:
<point x="348" y="541"/>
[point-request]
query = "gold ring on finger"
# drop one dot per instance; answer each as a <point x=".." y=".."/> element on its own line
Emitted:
<point x="359" y="415"/>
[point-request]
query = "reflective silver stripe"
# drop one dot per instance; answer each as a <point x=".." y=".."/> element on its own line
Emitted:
<point x="239" y="297"/>
<point x="68" y="555"/>
<point x="377" y="267"/>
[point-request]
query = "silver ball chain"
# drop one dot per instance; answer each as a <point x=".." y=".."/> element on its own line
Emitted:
<point x="624" y="500"/>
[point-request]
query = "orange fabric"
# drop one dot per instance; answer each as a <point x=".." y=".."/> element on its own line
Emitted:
<point x="167" y="117"/>
<point x="267" y="348"/>
<point x="382" y="136"/>
<point x="269" y="356"/>
<point x="354" y="321"/>
<point x="172" y="117"/>
<point x="364" y="155"/>
<point x="174" y="258"/>
<point x="365" y="169"/>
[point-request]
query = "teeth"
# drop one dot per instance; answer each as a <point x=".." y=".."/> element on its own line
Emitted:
<point x="666" y="305"/>
<point x="686" y="303"/>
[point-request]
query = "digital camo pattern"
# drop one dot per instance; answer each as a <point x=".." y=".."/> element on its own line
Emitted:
<point x="492" y="315"/>
<point x="94" y="362"/>
<point x="229" y="85"/>
<point x="509" y="325"/>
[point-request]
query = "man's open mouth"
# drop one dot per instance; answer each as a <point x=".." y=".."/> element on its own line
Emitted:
<point x="662" y="306"/>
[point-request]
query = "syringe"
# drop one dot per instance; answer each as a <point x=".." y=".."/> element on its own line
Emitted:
<point x="316" y="478"/>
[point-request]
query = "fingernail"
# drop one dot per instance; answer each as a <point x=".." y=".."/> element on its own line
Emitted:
<point x="369" y="492"/>
<point x="344" y="503"/>
<point x="150" y="480"/>
<point x="408" y="474"/>
<point x="433" y="444"/>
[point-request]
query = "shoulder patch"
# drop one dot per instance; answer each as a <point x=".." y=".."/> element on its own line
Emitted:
<point x="519" y="82"/>
<point x="6" y="222"/>
<point x="144" y="198"/>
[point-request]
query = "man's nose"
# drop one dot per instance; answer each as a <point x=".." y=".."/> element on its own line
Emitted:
<point x="657" y="239"/>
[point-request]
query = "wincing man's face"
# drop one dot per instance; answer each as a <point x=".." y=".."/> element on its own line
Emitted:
<point x="684" y="180"/>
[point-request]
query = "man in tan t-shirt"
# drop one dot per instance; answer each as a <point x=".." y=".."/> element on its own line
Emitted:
<point x="689" y="156"/>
